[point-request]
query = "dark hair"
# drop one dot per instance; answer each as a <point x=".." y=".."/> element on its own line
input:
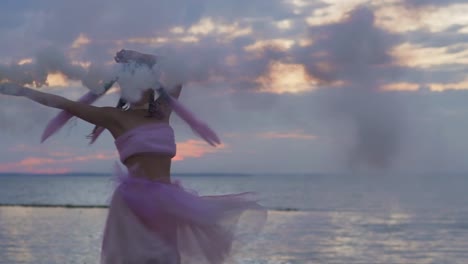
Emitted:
<point x="155" y="108"/>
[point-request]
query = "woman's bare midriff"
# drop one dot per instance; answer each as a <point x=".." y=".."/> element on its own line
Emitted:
<point x="151" y="166"/>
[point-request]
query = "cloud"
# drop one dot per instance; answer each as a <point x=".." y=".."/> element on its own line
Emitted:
<point x="357" y="53"/>
<point x="426" y="3"/>
<point x="219" y="33"/>
<point x="286" y="78"/>
<point x="51" y="64"/>
<point x="195" y="149"/>
<point x="53" y="163"/>
<point x="336" y="68"/>
<point x="186" y="33"/>
<point x="298" y="134"/>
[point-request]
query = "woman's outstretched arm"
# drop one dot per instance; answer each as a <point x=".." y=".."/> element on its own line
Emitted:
<point x="100" y="116"/>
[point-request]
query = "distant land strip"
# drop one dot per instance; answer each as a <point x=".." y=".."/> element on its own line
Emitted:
<point x="108" y="174"/>
<point x="79" y="206"/>
<point x="72" y="206"/>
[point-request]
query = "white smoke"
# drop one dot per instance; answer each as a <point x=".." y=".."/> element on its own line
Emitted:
<point x="134" y="79"/>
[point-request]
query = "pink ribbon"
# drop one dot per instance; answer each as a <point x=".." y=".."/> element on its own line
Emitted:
<point x="199" y="127"/>
<point x="62" y="118"/>
<point x="59" y="120"/>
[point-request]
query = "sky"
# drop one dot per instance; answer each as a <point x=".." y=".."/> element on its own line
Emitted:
<point x="291" y="86"/>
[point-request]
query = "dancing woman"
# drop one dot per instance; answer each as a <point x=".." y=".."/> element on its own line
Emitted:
<point x="151" y="218"/>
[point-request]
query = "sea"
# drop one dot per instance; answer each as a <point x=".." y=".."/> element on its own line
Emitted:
<point x="313" y="218"/>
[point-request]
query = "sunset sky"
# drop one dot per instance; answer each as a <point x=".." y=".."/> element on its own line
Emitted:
<point x="291" y="86"/>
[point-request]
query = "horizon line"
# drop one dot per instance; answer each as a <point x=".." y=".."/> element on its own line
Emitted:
<point x="84" y="173"/>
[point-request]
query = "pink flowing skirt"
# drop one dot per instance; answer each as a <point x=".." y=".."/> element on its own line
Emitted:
<point x="155" y="222"/>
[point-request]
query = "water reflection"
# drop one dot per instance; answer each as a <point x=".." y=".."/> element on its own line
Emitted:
<point x="13" y="235"/>
<point x="48" y="235"/>
<point x="392" y="235"/>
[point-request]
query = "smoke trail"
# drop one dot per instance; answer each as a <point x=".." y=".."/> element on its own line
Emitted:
<point x="356" y="53"/>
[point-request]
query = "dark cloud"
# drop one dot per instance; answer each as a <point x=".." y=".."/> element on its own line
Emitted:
<point x="60" y="23"/>
<point x="431" y="3"/>
<point x="110" y="23"/>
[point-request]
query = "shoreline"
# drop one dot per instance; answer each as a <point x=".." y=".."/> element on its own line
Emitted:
<point x="72" y="206"/>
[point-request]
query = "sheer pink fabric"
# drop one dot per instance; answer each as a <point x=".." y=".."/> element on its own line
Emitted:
<point x="59" y="120"/>
<point x="93" y="136"/>
<point x="198" y="127"/>
<point x="156" y="222"/>
<point x="149" y="138"/>
<point x="56" y="123"/>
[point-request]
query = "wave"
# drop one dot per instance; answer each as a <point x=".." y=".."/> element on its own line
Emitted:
<point x="91" y="206"/>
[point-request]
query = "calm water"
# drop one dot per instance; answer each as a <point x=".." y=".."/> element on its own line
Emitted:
<point x="313" y="218"/>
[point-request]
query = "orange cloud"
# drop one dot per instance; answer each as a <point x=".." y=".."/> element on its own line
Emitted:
<point x="25" y="61"/>
<point x="49" y="170"/>
<point x="440" y="87"/>
<point x="433" y="87"/>
<point x="403" y="86"/>
<point x="333" y="12"/>
<point x="33" y="161"/>
<point x="278" y="44"/>
<point x="207" y="25"/>
<point x="286" y="78"/>
<point x="195" y="149"/>
<point x="57" y="79"/>
<point x="297" y="134"/>
<point x="398" y="18"/>
<point x="192" y="34"/>
<point x="36" y="164"/>
<point x="53" y="161"/>
<point x="413" y="55"/>
<point x="82" y="40"/>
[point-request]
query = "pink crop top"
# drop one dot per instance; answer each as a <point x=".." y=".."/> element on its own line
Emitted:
<point x="149" y="138"/>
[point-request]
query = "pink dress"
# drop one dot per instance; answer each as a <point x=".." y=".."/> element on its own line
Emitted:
<point x="155" y="222"/>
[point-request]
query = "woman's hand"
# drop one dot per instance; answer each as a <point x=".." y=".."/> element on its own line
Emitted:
<point x="125" y="56"/>
<point x="13" y="89"/>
